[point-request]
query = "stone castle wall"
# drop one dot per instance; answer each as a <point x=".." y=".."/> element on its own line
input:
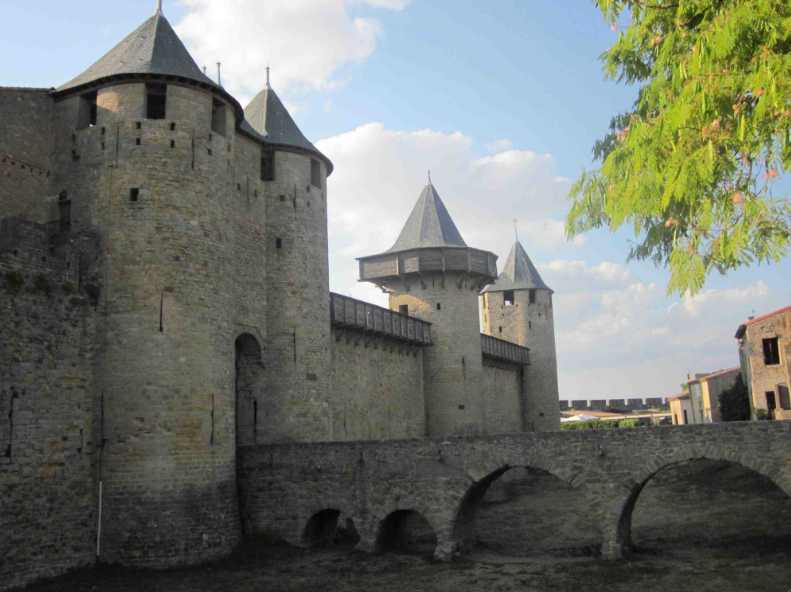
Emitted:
<point x="25" y="152"/>
<point x="501" y="388"/>
<point x="49" y="440"/>
<point x="377" y="386"/>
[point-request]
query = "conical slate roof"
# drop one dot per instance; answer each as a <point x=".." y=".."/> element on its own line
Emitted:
<point x="519" y="273"/>
<point x="153" y="48"/>
<point x="270" y="118"/>
<point x="429" y="225"/>
<point x="267" y="115"/>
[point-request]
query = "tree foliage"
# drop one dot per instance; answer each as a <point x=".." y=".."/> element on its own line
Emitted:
<point x="692" y="167"/>
<point x="734" y="403"/>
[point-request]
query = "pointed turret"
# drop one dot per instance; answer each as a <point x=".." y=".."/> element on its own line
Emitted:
<point x="517" y="307"/>
<point x="429" y="225"/>
<point x="151" y="49"/>
<point x="268" y="116"/>
<point x="432" y="274"/>
<point x="429" y="242"/>
<point x="518" y="273"/>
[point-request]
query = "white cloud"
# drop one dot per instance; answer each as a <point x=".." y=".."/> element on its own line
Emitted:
<point x="304" y="41"/>
<point x="694" y="305"/>
<point x="379" y="174"/>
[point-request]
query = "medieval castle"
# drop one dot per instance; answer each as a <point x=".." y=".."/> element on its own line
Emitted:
<point x="165" y="302"/>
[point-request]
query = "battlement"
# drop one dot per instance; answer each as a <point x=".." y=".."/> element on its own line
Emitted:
<point x="354" y="314"/>
<point x="505" y="351"/>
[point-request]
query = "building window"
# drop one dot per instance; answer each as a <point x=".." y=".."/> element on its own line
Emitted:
<point x="532" y="296"/>
<point x="499" y="329"/>
<point x="88" y="110"/>
<point x="134" y="194"/>
<point x="508" y="298"/>
<point x="782" y="394"/>
<point x="218" y="117"/>
<point x="403" y="309"/>
<point x="156" y="101"/>
<point x="771" y="351"/>
<point x="315" y="173"/>
<point x="686" y="418"/>
<point x="439" y="306"/>
<point x="267" y="164"/>
<point x="278" y="243"/>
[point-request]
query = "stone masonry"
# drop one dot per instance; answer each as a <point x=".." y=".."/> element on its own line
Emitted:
<point x="282" y="487"/>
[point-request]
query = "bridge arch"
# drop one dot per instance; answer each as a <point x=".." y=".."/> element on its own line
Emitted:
<point x="466" y="515"/>
<point x="329" y="528"/>
<point x="407" y="531"/>
<point x="620" y="543"/>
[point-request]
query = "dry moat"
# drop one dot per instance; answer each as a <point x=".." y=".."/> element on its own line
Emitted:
<point x="703" y="526"/>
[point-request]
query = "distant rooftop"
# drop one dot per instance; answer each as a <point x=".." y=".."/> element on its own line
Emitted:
<point x="715" y="374"/>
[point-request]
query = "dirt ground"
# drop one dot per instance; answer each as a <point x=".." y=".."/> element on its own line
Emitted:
<point x="698" y="528"/>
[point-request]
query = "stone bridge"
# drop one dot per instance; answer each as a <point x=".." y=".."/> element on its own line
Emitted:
<point x="283" y="486"/>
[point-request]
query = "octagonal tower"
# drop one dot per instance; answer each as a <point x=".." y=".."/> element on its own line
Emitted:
<point x="432" y="274"/>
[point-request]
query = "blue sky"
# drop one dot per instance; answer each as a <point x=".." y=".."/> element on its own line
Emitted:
<point x="502" y="100"/>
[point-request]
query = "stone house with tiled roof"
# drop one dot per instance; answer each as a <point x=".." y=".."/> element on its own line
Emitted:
<point x="765" y="360"/>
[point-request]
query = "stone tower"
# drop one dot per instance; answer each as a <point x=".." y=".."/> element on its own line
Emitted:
<point x="162" y="163"/>
<point x="296" y="406"/>
<point x="518" y="308"/>
<point x="432" y="274"/>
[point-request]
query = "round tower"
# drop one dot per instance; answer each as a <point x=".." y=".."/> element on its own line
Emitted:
<point x="158" y="158"/>
<point x="296" y="406"/>
<point x="518" y="308"/>
<point x="432" y="274"/>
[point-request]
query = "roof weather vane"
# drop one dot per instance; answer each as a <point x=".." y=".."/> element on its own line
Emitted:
<point x="429" y="176"/>
<point x="267" y="76"/>
<point x="159" y="7"/>
<point x="516" y="229"/>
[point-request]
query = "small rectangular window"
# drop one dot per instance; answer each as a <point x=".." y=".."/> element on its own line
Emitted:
<point x="156" y="101"/>
<point x="315" y="173"/>
<point x="771" y="351"/>
<point x="439" y="306"/>
<point x="267" y="164"/>
<point x="403" y="309"/>
<point x="278" y="243"/>
<point x="134" y="194"/>
<point x="88" y="110"/>
<point x="782" y="394"/>
<point x="532" y="296"/>
<point x="508" y="298"/>
<point x="218" y="117"/>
